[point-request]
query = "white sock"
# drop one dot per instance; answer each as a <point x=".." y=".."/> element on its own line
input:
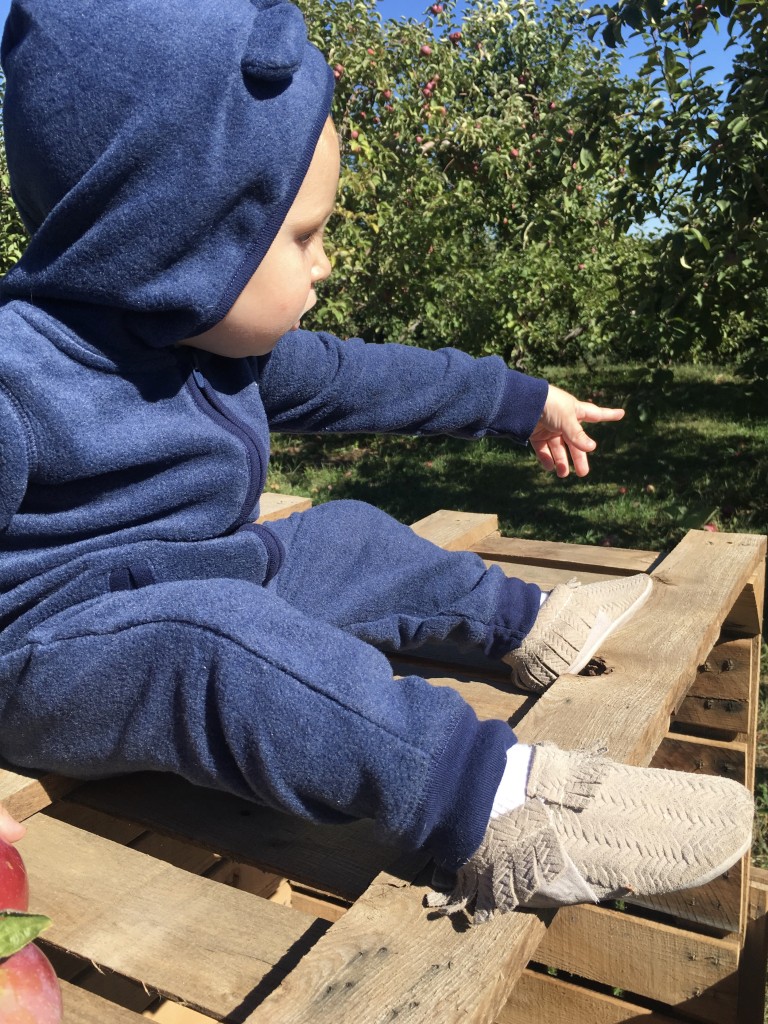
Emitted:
<point x="544" y="595"/>
<point x="511" y="791"/>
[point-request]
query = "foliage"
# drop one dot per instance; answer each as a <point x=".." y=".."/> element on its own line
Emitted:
<point x="13" y="236"/>
<point x="477" y="160"/>
<point x="496" y="169"/>
<point x="703" y="167"/>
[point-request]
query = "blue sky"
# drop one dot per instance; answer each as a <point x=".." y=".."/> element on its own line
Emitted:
<point x="715" y="54"/>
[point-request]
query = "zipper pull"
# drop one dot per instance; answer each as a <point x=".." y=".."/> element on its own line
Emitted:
<point x="197" y="373"/>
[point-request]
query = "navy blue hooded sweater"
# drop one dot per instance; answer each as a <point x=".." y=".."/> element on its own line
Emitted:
<point x="154" y="150"/>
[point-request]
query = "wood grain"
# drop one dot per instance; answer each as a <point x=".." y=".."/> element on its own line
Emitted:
<point x="339" y="859"/>
<point x="280" y="506"/>
<point x="25" y="792"/>
<point x="694" y="973"/>
<point x="649" y="669"/>
<point x="390" y="959"/>
<point x="539" y="997"/>
<point x="82" y="1007"/>
<point x="184" y="937"/>
<point x="581" y="557"/>
<point x="456" y="531"/>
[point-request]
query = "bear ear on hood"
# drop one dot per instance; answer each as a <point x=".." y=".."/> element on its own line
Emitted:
<point x="275" y="47"/>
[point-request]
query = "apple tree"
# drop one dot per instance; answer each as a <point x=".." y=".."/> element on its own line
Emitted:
<point x="698" y="159"/>
<point x="478" y="162"/>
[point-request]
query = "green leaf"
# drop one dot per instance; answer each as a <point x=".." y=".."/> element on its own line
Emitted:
<point x="17" y="930"/>
<point x="738" y="124"/>
<point x="633" y="17"/>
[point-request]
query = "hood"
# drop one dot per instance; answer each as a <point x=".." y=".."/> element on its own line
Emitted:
<point x="154" y="148"/>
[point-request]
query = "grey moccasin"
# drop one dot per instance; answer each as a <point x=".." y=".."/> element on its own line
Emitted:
<point x="592" y="829"/>
<point x="572" y="623"/>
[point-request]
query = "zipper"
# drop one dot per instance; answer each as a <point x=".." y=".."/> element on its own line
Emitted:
<point x="207" y="399"/>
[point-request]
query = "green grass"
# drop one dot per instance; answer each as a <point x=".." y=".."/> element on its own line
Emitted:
<point x="691" y="451"/>
<point x="694" y="454"/>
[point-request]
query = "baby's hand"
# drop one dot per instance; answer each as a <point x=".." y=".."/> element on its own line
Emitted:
<point x="10" y="829"/>
<point x="559" y="432"/>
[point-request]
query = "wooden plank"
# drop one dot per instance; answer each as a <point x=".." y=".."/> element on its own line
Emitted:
<point x="82" y="1007"/>
<point x="710" y="757"/>
<point x="171" y="1013"/>
<point x="104" y="825"/>
<point x="23" y="793"/>
<point x="752" y="963"/>
<point x="628" y="710"/>
<point x="490" y="697"/>
<point x="746" y="616"/>
<point x="390" y="959"/>
<point x="718" y="905"/>
<point x="712" y="713"/>
<point x="650" y="669"/>
<point x="694" y="973"/>
<point x="582" y="557"/>
<point x="280" y="506"/>
<point x="195" y="941"/>
<point x="456" y="531"/>
<point x="726" y="672"/>
<point x="340" y="859"/>
<point x="541" y="998"/>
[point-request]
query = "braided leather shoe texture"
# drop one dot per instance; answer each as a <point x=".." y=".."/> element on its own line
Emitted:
<point x="572" y="623"/>
<point x="592" y="829"/>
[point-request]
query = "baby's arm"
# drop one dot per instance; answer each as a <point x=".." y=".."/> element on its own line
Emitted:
<point x="314" y="382"/>
<point x="559" y="431"/>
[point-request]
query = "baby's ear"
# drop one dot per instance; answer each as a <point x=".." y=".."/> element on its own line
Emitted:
<point x="275" y="47"/>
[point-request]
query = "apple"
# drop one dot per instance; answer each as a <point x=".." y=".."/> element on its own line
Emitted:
<point x="29" y="989"/>
<point x="425" y="51"/>
<point x="354" y="134"/>
<point x="14" y="888"/>
<point x="437" y="8"/>
<point x="338" y="71"/>
<point x="710" y="527"/>
<point x="553" y="105"/>
<point x="455" y="37"/>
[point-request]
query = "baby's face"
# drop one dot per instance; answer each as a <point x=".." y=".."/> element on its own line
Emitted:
<point x="283" y="287"/>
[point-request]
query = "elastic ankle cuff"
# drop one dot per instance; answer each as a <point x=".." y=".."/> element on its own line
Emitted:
<point x="517" y="606"/>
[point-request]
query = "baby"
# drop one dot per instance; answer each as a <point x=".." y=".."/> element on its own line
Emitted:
<point x="176" y="166"/>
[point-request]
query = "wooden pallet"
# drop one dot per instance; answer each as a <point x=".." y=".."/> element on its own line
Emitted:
<point x="165" y="896"/>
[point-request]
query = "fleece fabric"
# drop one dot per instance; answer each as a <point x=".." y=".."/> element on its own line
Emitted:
<point x="146" y="621"/>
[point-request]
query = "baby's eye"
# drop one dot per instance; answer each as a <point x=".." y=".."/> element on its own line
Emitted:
<point x="306" y="238"/>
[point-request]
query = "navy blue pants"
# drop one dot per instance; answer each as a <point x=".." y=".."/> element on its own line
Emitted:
<point x="278" y="693"/>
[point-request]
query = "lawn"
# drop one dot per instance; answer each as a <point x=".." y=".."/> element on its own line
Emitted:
<point x="692" y="450"/>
